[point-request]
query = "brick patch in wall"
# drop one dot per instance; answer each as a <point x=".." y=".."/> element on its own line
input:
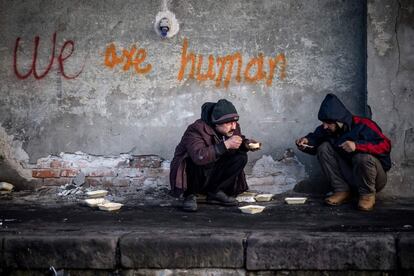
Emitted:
<point x="56" y="164"/>
<point x="145" y="161"/>
<point x="69" y="172"/>
<point x="121" y="182"/>
<point x="56" y="181"/>
<point x="124" y="173"/>
<point x="130" y="172"/>
<point x="99" y="172"/>
<point x="45" y="173"/>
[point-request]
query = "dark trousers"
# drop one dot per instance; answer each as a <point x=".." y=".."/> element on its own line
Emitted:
<point x="364" y="173"/>
<point x="219" y="176"/>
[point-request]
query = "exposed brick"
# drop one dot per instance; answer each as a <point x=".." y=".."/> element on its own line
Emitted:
<point x="121" y="182"/>
<point x="80" y="164"/>
<point x="56" y="164"/>
<point x="100" y="172"/>
<point x="56" y="181"/>
<point x="137" y="182"/>
<point x="145" y="161"/>
<point x="99" y="181"/>
<point x="129" y="172"/>
<point x="123" y="164"/>
<point x="43" y="163"/>
<point x="153" y="172"/>
<point x="69" y="172"/>
<point x="93" y="181"/>
<point x="45" y="173"/>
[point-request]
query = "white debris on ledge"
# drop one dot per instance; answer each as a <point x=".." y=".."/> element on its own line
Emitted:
<point x="5" y="187"/>
<point x="276" y="177"/>
<point x="70" y="189"/>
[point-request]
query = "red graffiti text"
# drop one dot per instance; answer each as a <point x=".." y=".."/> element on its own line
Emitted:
<point x="69" y="45"/>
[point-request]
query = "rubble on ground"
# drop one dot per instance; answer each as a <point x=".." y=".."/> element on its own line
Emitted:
<point x="6" y="187"/>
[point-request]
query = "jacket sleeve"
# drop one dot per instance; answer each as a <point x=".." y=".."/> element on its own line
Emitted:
<point x="370" y="138"/>
<point x="243" y="144"/>
<point x="315" y="139"/>
<point x="200" y="152"/>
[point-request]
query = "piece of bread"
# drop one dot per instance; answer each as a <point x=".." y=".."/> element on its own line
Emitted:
<point x="255" y="145"/>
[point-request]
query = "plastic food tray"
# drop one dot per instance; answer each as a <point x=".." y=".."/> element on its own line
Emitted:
<point x="295" y="200"/>
<point x="252" y="209"/>
<point x="98" y="193"/>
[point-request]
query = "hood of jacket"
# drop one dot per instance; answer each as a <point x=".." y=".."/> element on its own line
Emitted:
<point x="333" y="110"/>
<point x="206" y="110"/>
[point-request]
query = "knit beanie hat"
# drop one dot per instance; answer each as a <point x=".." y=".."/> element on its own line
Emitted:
<point x="224" y="112"/>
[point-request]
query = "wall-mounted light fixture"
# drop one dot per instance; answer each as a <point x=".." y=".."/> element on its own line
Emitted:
<point x="166" y="25"/>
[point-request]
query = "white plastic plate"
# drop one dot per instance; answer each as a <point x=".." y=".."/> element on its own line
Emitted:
<point x="295" y="200"/>
<point x="93" y="202"/>
<point x="110" y="206"/>
<point x="264" y="197"/>
<point x="98" y="193"/>
<point x="252" y="209"/>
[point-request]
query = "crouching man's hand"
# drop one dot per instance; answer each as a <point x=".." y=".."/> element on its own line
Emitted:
<point x="303" y="143"/>
<point x="348" y="146"/>
<point x="233" y="142"/>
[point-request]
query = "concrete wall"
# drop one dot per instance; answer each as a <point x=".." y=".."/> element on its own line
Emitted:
<point x="105" y="83"/>
<point x="101" y="105"/>
<point x="390" y="45"/>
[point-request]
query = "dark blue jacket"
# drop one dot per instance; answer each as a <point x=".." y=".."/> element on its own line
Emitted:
<point x="366" y="134"/>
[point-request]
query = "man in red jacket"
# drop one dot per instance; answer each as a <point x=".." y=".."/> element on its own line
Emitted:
<point x="210" y="158"/>
<point x="353" y="153"/>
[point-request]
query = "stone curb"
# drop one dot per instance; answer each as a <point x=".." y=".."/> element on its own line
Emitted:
<point x="182" y="250"/>
<point x="405" y="249"/>
<point x="320" y="251"/>
<point x="170" y="249"/>
<point x="90" y="251"/>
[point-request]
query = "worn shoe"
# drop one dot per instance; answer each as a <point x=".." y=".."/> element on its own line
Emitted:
<point x="190" y="203"/>
<point x="338" y="198"/>
<point x="221" y="198"/>
<point x="366" y="202"/>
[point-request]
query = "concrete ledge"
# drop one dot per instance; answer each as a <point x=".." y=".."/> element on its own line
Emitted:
<point x="231" y="253"/>
<point x="183" y="272"/>
<point x="320" y="251"/>
<point x="406" y="251"/>
<point x="80" y="252"/>
<point x="182" y="250"/>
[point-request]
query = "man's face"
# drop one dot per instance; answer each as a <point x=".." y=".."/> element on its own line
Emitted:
<point x="331" y="127"/>
<point x="226" y="129"/>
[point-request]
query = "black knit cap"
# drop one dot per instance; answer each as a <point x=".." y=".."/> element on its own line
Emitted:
<point x="224" y="112"/>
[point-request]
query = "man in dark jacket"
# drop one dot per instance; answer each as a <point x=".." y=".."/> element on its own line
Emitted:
<point x="211" y="157"/>
<point x="353" y="153"/>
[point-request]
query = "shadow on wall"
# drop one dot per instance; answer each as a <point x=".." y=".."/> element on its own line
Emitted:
<point x="11" y="168"/>
<point x="9" y="174"/>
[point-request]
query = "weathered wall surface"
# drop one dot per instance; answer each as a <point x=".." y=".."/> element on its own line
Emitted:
<point x="390" y="47"/>
<point x="104" y="83"/>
